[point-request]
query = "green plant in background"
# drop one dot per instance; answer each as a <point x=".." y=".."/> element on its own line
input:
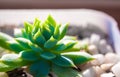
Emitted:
<point x="44" y="48"/>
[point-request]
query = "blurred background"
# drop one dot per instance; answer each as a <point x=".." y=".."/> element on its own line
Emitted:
<point x="112" y="7"/>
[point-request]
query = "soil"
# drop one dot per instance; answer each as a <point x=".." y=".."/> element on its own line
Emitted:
<point x="19" y="72"/>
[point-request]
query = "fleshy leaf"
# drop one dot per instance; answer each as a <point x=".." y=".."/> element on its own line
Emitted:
<point x="5" y="37"/>
<point x="63" y="61"/>
<point x="78" y="57"/>
<point x="60" y="47"/>
<point x="56" y="32"/>
<point x="70" y="45"/>
<point x="30" y="37"/>
<point x="65" y="72"/>
<point x="50" y="43"/>
<point x="28" y="27"/>
<point x="47" y="55"/>
<point x="40" y="69"/>
<point x="3" y="40"/>
<point x="46" y="31"/>
<point x="29" y="55"/>
<point x="65" y="45"/>
<point x="4" y="44"/>
<point x="36" y="25"/>
<point x="51" y="20"/>
<point x="24" y="34"/>
<point x="63" y="30"/>
<point x="35" y="48"/>
<point x="24" y="42"/>
<point x="13" y="60"/>
<point x="66" y="37"/>
<point x="39" y="38"/>
<point x="5" y="67"/>
<point x="16" y="47"/>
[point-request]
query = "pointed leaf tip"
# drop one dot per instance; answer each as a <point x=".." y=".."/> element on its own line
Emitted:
<point x="63" y="61"/>
<point x="51" y="20"/>
<point x="63" y="30"/>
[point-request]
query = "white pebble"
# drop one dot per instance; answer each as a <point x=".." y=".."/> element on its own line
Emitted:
<point x="107" y="66"/>
<point x="90" y="72"/>
<point x="116" y="69"/>
<point x="102" y="46"/>
<point x="95" y="39"/>
<point x="3" y="74"/>
<point x="109" y="48"/>
<point x="98" y="71"/>
<point x="84" y="66"/>
<point x="111" y="58"/>
<point x="107" y="75"/>
<point x="92" y="49"/>
<point x="99" y="59"/>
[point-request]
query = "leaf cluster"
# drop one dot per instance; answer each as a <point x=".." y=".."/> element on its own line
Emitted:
<point x="43" y="47"/>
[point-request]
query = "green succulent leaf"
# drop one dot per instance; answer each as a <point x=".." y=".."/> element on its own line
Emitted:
<point x="46" y="31"/>
<point x="5" y="37"/>
<point x="66" y="37"/>
<point x="24" y="42"/>
<point x="35" y="48"/>
<point x="78" y="57"/>
<point x="40" y="69"/>
<point x="11" y="61"/>
<point x="51" y="20"/>
<point x="70" y="44"/>
<point x="63" y="61"/>
<point x="30" y="37"/>
<point x="56" y="32"/>
<point x="48" y="55"/>
<point x="60" y="47"/>
<point x="50" y="43"/>
<point x="15" y="46"/>
<point x="29" y="55"/>
<point x="63" y="30"/>
<point x="28" y="27"/>
<point x="4" y="44"/>
<point x="3" y="40"/>
<point x="4" y="67"/>
<point x="65" y="72"/>
<point x="24" y="34"/>
<point x="36" y="25"/>
<point x="65" y="45"/>
<point x="39" y="38"/>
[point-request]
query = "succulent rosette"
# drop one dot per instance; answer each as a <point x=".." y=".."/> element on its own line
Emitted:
<point x="44" y="48"/>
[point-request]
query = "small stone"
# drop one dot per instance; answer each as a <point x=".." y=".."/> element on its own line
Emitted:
<point x="98" y="70"/>
<point x="3" y="74"/>
<point x="17" y="32"/>
<point x="92" y="49"/>
<point x="84" y="66"/>
<point x="90" y="72"/>
<point x="109" y="48"/>
<point x="107" y="75"/>
<point x="86" y="40"/>
<point x="112" y="58"/>
<point x="107" y="66"/>
<point x="99" y="59"/>
<point x="102" y="46"/>
<point x="116" y="69"/>
<point x="95" y="39"/>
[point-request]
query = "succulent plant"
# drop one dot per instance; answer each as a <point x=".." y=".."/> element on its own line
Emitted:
<point x="44" y="48"/>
